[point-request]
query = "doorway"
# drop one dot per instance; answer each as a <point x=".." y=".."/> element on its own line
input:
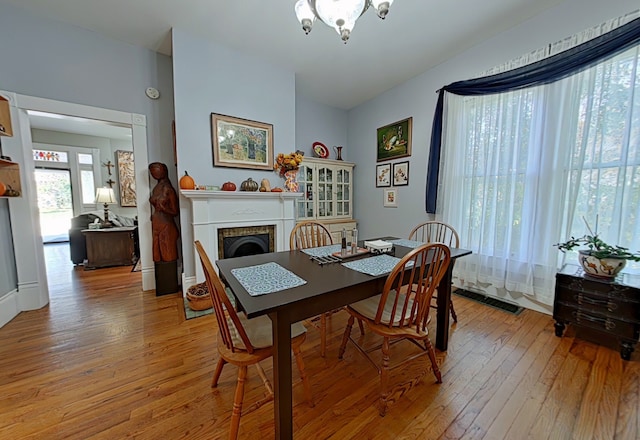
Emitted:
<point x="55" y="203"/>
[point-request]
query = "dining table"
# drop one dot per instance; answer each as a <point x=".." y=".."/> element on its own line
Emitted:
<point x="326" y="287"/>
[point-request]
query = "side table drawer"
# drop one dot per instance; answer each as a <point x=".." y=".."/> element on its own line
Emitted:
<point x="603" y="323"/>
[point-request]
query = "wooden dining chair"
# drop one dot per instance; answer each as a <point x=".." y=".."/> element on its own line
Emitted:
<point x="307" y="235"/>
<point x="243" y="342"/>
<point x="437" y="232"/>
<point x="401" y="312"/>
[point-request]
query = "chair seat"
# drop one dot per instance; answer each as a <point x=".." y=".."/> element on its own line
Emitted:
<point x="259" y="331"/>
<point x="369" y="307"/>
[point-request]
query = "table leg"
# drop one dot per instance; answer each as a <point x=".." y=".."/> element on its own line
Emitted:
<point x="283" y="400"/>
<point x="442" y="313"/>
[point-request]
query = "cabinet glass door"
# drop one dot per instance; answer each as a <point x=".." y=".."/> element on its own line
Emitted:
<point x="325" y="192"/>
<point x="304" y="204"/>
<point x="343" y="194"/>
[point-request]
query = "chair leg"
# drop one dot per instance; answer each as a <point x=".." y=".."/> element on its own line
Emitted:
<point x="345" y="338"/>
<point x="453" y="312"/>
<point x="361" y="325"/>
<point x="216" y="374"/>
<point x="384" y="377"/>
<point x="303" y="375"/>
<point x="432" y="357"/>
<point x="237" y="403"/>
<point x="323" y="334"/>
<point x="265" y="381"/>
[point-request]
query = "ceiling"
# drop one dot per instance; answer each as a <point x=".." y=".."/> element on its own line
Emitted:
<point x="415" y="36"/>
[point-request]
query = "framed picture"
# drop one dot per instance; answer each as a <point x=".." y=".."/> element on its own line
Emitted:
<point x="394" y="140"/>
<point x="390" y="198"/>
<point x="383" y="175"/>
<point x="126" y="178"/>
<point x="240" y="143"/>
<point x="401" y="173"/>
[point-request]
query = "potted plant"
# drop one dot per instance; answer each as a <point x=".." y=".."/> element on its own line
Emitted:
<point x="600" y="259"/>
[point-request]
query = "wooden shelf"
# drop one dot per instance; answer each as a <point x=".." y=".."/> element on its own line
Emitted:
<point x="5" y="118"/>
<point x="10" y="176"/>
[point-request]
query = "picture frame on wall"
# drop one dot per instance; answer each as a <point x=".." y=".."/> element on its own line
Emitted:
<point x="394" y="140"/>
<point x="383" y="175"/>
<point x="390" y="198"/>
<point x="241" y="143"/>
<point x="401" y="173"/>
<point x="126" y="178"/>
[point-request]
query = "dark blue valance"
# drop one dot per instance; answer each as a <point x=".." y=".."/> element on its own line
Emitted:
<point x="550" y="69"/>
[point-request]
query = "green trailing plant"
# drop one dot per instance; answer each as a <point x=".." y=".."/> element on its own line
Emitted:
<point x="597" y="247"/>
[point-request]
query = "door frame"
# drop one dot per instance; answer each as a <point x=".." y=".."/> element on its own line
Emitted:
<point x="33" y="292"/>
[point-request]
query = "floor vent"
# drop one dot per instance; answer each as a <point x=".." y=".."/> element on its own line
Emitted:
<point x="489" y="301"/>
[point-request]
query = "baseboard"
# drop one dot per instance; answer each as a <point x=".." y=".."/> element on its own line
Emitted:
<point x="9" y="308"/>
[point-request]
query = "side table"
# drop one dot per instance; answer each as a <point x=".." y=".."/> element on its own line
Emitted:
<point x="110" y="247"/>
<point x="611" y="307"/>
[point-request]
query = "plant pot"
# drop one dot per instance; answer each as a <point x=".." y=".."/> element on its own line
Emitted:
<point x="600" y="267"/>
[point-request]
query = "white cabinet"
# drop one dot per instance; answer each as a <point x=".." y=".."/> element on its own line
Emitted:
<point x="327" y="188"/>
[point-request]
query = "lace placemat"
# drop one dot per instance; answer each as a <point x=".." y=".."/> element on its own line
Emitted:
<point x="407" y="243"/>
<point x="266" y="278"/>
<point x="378" y="265"/>
<point x="322" y="251"/>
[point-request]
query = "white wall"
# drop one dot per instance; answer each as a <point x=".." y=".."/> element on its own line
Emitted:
<point x="48" y="59"/>
<point x="417" y="98"/>
<point x="320" y="123"/>
<point x="209" y="78"/>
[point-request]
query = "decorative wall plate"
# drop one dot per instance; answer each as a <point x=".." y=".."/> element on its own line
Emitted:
<point x="320" y="150"/>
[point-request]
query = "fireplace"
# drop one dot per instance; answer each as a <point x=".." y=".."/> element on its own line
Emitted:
<point x="242" y="241"/>
<point x="241" y="220"/>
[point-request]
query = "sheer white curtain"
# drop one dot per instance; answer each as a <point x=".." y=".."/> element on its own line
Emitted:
<point x="520" y="169"/>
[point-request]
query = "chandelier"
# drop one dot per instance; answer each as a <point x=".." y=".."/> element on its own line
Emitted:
<point x="339" y="14"/>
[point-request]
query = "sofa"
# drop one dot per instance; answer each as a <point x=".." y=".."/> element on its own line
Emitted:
<point x="78" y="242"/>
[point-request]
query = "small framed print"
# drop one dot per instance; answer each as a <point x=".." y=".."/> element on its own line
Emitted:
<point x="390" y="198"/>
<point x="383" y="175"/>
<point x="401" y="173"/>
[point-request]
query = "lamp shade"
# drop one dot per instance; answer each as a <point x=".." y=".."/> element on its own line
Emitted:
<point x="106" y="196"/>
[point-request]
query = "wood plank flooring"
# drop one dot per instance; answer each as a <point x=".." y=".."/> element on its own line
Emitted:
<point x="106" y="361"/>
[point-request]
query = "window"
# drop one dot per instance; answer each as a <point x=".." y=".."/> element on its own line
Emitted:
<point x="524" y="170"/>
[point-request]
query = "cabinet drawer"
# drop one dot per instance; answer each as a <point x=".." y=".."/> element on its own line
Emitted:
<point x="584" y="318"/>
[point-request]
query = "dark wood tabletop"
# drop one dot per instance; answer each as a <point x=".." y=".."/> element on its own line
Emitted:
<point x="327" y="287"/>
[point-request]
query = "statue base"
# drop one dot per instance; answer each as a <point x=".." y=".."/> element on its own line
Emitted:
<point x="166" y="273"/>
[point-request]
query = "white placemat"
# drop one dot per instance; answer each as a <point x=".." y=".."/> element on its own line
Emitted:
<point x="378" y="265"/>
<point x="266" y="278"/>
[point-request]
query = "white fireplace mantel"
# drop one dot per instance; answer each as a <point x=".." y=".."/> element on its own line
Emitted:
<point x="214" y="210"/>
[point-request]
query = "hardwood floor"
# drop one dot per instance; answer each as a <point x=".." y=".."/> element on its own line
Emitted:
<point x="106" y="361"/>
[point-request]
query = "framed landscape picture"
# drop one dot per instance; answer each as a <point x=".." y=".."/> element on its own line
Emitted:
<point x="241" y="143"/>
<point x="401" y="173"/>
<point x="394" y="140"/>
<point x="383" y="175"/>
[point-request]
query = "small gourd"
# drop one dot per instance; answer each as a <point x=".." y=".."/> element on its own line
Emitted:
<point x="3" y="188"/>
<point x="187" y="182"/>
<point x="228" y="186"/>
<point x="265" y="185"/>
<point x="249" y="185"/>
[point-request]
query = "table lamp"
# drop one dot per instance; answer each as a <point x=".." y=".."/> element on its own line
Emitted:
<point x="108" y="197"/>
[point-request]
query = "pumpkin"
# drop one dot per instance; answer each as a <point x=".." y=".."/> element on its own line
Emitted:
<point x="249" y="185"/>
<point x="187" y="182"/>
<point x="3" y="188"/>
<point x="228" y="186"/>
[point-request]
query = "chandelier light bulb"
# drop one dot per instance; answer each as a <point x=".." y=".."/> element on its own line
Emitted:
<point x="305" y="15"/>
<point x="381" y="7"/>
